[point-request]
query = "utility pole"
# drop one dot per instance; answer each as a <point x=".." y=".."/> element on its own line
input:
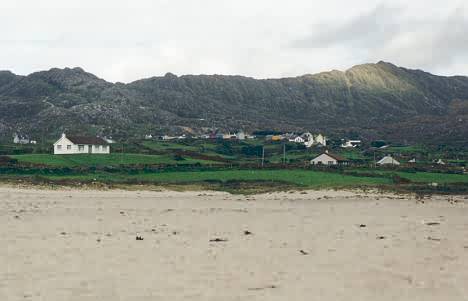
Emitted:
<point x="284" y="153"/>
<point x="375" y="163"/>
<point x="263" y="155"/>
<point x="121" y="157"/>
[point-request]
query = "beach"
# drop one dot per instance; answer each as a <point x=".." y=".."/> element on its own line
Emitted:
<point x="70" y="244"/>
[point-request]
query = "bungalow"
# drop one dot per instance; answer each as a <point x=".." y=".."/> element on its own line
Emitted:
<point x="227" y="136"/>
<point x="351" y="144"/>
<point x="80" y="145"/>
<point x="297" y="139"/>
<point x="167" y="137"/>
<point x="19" y="139"/>
<point x="307" y="136"/>
<point x="311" y="140"/>
<point x="109" y="140"/>
<point x="321" y="139"/>
<point x="328" y="159"/>
<point x="240" y="135"/>
<point x="388" y="160"/>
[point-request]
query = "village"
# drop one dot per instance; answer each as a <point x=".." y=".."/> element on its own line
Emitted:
<point x="293" y="149"/>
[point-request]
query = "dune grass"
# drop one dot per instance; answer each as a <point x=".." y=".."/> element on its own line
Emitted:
<point x="419" y="177"/>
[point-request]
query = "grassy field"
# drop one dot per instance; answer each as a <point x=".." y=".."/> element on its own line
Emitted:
<point x="178" y="157"/>
<point x="304" y="178"/>
<point x="102" y="160"/>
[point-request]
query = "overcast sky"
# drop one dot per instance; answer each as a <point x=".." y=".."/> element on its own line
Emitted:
<point x="122" y="40"/>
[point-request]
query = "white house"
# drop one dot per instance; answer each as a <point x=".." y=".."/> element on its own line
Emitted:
<point x="109" y="140"/>
<point x="351" y="144"/>
<point x="166" y="137"/>
<point x="240" y="135"/>
<point x="388" y="160"/>
<point x="311" y="140"/>
<point x="307" y="136"/>
<point x="80" y="145"/>
<point x="320" y="139"/>
<point x="328" y="159"/>
<point x="297" y="139"/>
<point x="19" y="139"/>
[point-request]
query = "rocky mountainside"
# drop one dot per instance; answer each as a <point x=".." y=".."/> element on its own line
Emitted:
<point x="373" y="101"/>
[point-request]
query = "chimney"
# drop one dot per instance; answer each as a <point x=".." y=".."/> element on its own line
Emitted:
<point x="63" y="135"/>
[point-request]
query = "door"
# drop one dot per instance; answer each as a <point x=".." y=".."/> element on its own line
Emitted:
<point x="90" y="149"/>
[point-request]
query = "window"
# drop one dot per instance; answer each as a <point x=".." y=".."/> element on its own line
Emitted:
<point x="59" y="147"/>
<point x="80" y="148"/>
<point x="330" y="162"/>
<point x="68" y="147"/>
<point x="104" y="148"/>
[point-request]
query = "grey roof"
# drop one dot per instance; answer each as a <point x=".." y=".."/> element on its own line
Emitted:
<point x="87" y="140"/>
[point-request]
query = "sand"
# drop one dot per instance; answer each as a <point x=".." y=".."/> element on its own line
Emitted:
<point x="59" y="245"/>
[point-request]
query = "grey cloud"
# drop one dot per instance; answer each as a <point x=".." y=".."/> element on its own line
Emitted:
<point x="386" y="33"/>
<point x="371" y="28"/>
<point x="123" y="40"/>
<point x="448" y="43"/>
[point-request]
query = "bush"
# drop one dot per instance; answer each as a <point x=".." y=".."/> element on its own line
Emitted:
<point x="251" y="151"/>
<point x="378" y="143"/>
<point x="178" y="157"/>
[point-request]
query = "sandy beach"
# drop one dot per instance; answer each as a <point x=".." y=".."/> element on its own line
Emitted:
<point x="66" y="244"/>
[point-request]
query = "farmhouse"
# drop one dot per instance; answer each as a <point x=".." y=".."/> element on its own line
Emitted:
<point x="321" y="139"/>
<point x="328" y="159"/>
<point x="311" y="140"/>
<point x="240" y="135"/>
<point x="19" y="139"/>
<point x="351" y="144"/>
<point x="80" y="145"/>
<point x="297" y="139"/>
<point x="388" y="160"/>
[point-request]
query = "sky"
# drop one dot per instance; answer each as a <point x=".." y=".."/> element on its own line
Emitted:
<point x="122" y="40"/>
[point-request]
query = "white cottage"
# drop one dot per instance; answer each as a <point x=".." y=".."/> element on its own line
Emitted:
<point x="19" y="139"/>
<point x="321" y="139"/>
<point x="240" y="135"/>
<point x="68" y="145"/>
<point x="311" y="140"/>
<point x="328" y="159"/>
<point x="297" y="139"/>
<point x="351" y="144"/>
<point x="388" y="160"/>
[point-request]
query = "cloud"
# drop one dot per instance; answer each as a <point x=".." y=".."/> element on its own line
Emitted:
<point x="389" y="33"/>
<point x="124" y="40"/>
<point x="368" y="30"/>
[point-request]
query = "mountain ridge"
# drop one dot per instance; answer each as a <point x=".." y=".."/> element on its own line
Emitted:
<point x="368" y="100"/>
